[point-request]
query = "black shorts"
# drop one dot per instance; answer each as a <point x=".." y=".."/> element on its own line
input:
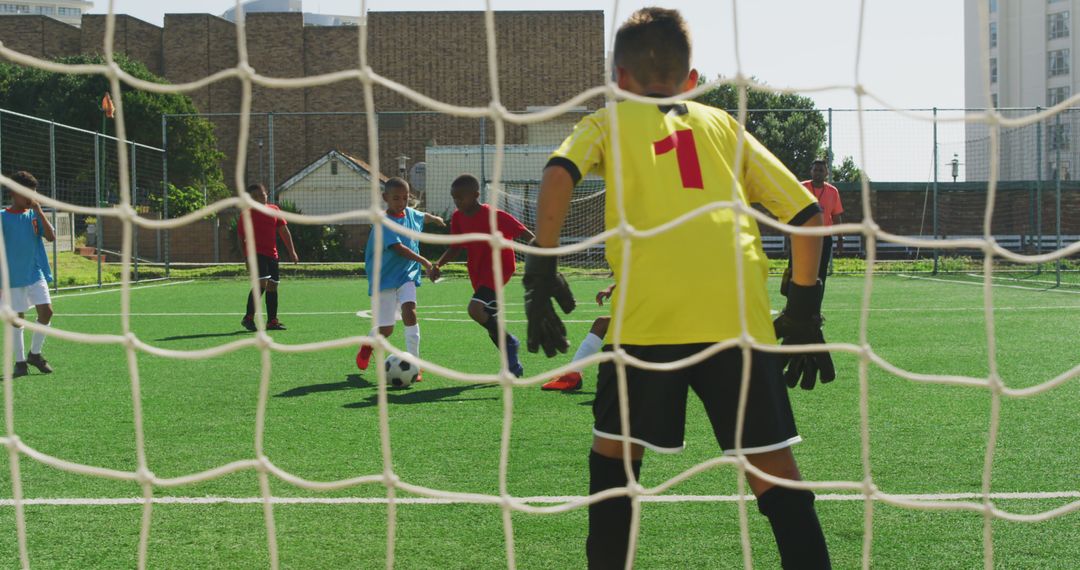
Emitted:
<point x="268" y="268"/>
<point x="486" y="297"/>
<point x="658" y="399"/>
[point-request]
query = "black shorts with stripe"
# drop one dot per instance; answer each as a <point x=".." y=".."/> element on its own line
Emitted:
<point x="657" y="399"/>
<point x="486" y="297"/>
<point x="268" y="268"/>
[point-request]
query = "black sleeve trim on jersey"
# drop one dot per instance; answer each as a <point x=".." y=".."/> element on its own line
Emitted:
<point x="567" y="165"/>
<point x="805" y="215"/>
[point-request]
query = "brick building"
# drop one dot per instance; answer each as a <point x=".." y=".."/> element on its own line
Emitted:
<point x="544" y="58"/>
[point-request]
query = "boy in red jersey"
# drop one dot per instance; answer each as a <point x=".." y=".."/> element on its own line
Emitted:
<point x="473" y="217"/>
<point x="266" y="231"/>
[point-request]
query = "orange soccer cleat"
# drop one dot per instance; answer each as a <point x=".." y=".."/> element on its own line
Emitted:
<point x="565" y="383"/>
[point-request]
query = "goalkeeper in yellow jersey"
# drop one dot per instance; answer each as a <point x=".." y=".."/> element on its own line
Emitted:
<point x="674" y="159"/>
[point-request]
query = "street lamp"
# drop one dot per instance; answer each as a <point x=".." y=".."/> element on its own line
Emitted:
<point x="402" y="164"/>
<point x="955" y="166"/>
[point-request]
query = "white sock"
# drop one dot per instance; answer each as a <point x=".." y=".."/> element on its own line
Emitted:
<point x="20" y="345"/>
<point x="590" y="346"/>
<point x="412" y="340"/>
<point x="37" y="341"/>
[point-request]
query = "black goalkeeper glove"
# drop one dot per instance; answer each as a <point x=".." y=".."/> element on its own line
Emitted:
<point x="542" y="284"/>
<point x="800" y="323"/>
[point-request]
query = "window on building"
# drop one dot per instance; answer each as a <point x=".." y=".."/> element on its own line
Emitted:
<point x="69" y="11"/>
<point x="1057" y="62"/>
<point x="1057" y="25"/>
<point x="993" y="34"/>
<point x="333" y="167"/>
<point x="1055" y="95"/>
<point x="993" y="70"/>
<point x="1058" y="137"/>
<point x="993" y="6"/>
<point x="45" y="10"/>
<point x="14" y="8"/>
<point x="994" y="100"/>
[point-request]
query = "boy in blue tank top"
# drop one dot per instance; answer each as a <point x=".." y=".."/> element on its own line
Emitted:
<point x="24" y="224"/>
<point x="401" y="271"/>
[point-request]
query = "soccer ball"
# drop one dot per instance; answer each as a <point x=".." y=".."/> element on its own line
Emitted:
<point x="400" y="373"/>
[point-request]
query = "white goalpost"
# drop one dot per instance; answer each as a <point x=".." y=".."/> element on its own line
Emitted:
<point x="583" y="247"/>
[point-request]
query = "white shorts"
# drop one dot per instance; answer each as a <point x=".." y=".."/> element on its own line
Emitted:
<point x="390" y="302"/>
<point x="22" y="298"/>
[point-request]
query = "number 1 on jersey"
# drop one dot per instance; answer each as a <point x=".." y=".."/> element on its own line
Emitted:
<point x="682" y="142"/>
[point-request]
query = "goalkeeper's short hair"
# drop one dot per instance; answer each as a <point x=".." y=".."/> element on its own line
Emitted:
<point x="653" y="45"/>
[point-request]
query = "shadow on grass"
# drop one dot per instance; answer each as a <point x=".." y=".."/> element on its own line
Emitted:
<point x="418" y="395"/>
<point x="205" y="335"/>
<point x="352" y="382"/>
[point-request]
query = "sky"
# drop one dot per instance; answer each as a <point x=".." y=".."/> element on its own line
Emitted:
<point x="912" y="55"/>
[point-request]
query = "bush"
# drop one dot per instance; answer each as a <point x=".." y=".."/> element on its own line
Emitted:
<point x="182" y="201"/>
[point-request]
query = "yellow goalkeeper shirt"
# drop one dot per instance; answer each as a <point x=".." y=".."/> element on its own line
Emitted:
<point x="680" y="284"/>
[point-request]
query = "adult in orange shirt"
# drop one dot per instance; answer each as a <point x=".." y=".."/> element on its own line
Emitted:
<point x="828" y="198"/>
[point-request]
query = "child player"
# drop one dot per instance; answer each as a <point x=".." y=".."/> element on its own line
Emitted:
<point x="676" y="158"/>
<point x="267" y="229"/>
<point x="473" y="217"/>
<point x="592" y="344"/>
<point x="400" y="273"/>
<point x="24" y="224"/>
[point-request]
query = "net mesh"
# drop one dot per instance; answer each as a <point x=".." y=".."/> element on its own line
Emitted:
<point x="512" y="195"/>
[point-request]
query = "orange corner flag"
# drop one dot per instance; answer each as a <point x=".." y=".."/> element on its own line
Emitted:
<point x="107" y="106"/>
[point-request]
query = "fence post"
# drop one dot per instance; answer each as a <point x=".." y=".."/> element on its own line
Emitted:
<point x="99" y="220"/>
<point x="1058" y="139"/>
<point x="270" y="136"/>
<point x="1038" y="188"/>
<point x="165" y="184"/>
<point x="217" y="228"/>
<point x="52" y="184"/>
<point x="831" y="157"/>
<point x="134" y="203"/>
<point x="1" y="141"/>
<point x="483" y="158"/>
<point x="934" y="207"/>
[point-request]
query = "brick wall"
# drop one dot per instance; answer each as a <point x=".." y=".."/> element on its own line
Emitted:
<point x="134" y="37"/>
<point x="544" y="58"/>
<point x="39" y="36"/>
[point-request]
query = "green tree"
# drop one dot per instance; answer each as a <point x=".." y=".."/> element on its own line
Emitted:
<point x="75" y="100"/>
<point x="848" y="171"/>
<point x="786" y="123"/>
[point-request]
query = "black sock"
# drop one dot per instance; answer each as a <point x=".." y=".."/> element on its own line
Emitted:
<point x="609" y="521"/>
<point x="250" y="314"/>
<point x="492" y="326"/>
<point x="271" y="305"/>
<point x="796" y="528"/>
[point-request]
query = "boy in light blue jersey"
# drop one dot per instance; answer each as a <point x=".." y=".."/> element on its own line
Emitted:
<point x="401" y="270"/>
<point x="24" y="224"/>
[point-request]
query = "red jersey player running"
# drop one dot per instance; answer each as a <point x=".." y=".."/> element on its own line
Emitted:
<point x="473" y="217"/>
<point x="266" y="231"/>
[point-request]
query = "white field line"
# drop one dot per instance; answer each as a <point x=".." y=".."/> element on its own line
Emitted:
<point x="1004" y="278"/>
<point x="118" y="501"/>
<point x="117" y="289"/>
<point x="979" y="284"/>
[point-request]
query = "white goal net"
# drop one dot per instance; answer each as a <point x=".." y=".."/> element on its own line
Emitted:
<point x="583" y="243"/>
